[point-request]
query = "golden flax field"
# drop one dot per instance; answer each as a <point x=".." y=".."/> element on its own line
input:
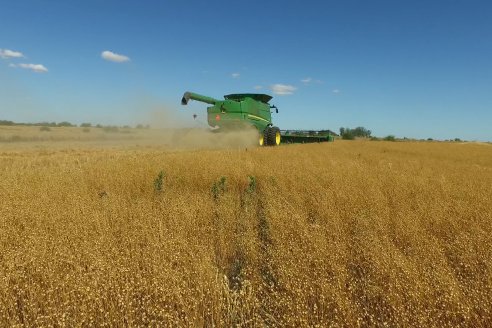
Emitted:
<point x="343" y="234"/>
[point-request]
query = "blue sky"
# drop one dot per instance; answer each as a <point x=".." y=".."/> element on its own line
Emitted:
<point x="408" y="68"/>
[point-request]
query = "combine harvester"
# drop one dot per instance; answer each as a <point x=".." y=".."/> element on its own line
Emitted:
<point x="245" y="110"/>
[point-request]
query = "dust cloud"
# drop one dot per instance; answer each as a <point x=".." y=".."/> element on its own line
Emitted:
<point x="177" y="127"/>
<point x="143" y="121"/>
<point x="196" y="138"/>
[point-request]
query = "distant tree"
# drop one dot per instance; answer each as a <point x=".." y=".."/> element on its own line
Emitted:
<point x="346" y="134"/>
<point x="4" y="122"/>
<point x="457" y="139"/>
<point x="65" y="124"/>
<point x="389" y="138"/>
<point x="358" y="132"/>
<point x="430" y="139"/>
<point x="140" y="126"/>
<point x="85" y="125"/>
<point x="361" y="132"/>
<point x="41" y="124"/>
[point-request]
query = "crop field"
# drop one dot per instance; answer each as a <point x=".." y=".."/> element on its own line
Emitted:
<point x="350" y="233"/>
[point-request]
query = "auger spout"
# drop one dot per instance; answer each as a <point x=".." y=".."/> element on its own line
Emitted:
<point x="194" y="96"/>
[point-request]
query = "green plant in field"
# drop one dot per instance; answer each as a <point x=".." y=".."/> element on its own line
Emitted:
<point x="218" y="187"/>
<point x="252" y="184"/>
<point x="159" y="182"/>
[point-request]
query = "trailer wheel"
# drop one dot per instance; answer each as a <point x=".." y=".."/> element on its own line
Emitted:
<point x="273" y="136"/>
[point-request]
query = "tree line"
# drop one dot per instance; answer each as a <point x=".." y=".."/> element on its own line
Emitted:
<point x="68" y="124"/>
<point x="358" y="132"/>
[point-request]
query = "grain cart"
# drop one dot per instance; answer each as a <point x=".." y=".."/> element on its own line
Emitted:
<point x="240" y="111"/>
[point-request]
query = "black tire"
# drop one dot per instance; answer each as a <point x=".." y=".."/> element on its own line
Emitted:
<point x="266" y="141"/>
<point x="272" y="136"/>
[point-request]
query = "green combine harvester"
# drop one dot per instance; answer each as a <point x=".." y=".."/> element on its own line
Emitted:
<point x="245" y="110"/>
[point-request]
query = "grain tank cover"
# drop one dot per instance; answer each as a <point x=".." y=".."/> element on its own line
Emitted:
<point x="256" y="96"/>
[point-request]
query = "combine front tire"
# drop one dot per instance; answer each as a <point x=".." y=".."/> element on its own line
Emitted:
<point x="272" y="136"/>
<point x="261" y="139"/>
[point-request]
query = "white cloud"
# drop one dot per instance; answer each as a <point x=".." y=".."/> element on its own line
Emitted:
<point x="282" y="89"/>
<point x="6" y="53"/>
<point x="309" y="80"/>
<point x="335" y="91"/>
<point x="258" y="87"/>
<point x="12" y="65"/>
<point x="111" y="56"/>
<point x="38" y="68"/>
<point x="235" y="75"/>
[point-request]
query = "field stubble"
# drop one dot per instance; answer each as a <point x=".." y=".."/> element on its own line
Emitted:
<point x="341" y="234"/>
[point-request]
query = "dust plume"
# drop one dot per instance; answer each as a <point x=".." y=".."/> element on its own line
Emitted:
<point x="153" y="123"/>
<point x="176" y="127"/>
<point x="199" y="138"/>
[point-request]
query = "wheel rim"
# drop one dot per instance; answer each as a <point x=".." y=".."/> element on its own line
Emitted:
<point x="277" y="138"/>
<point x="261" y="140"/>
